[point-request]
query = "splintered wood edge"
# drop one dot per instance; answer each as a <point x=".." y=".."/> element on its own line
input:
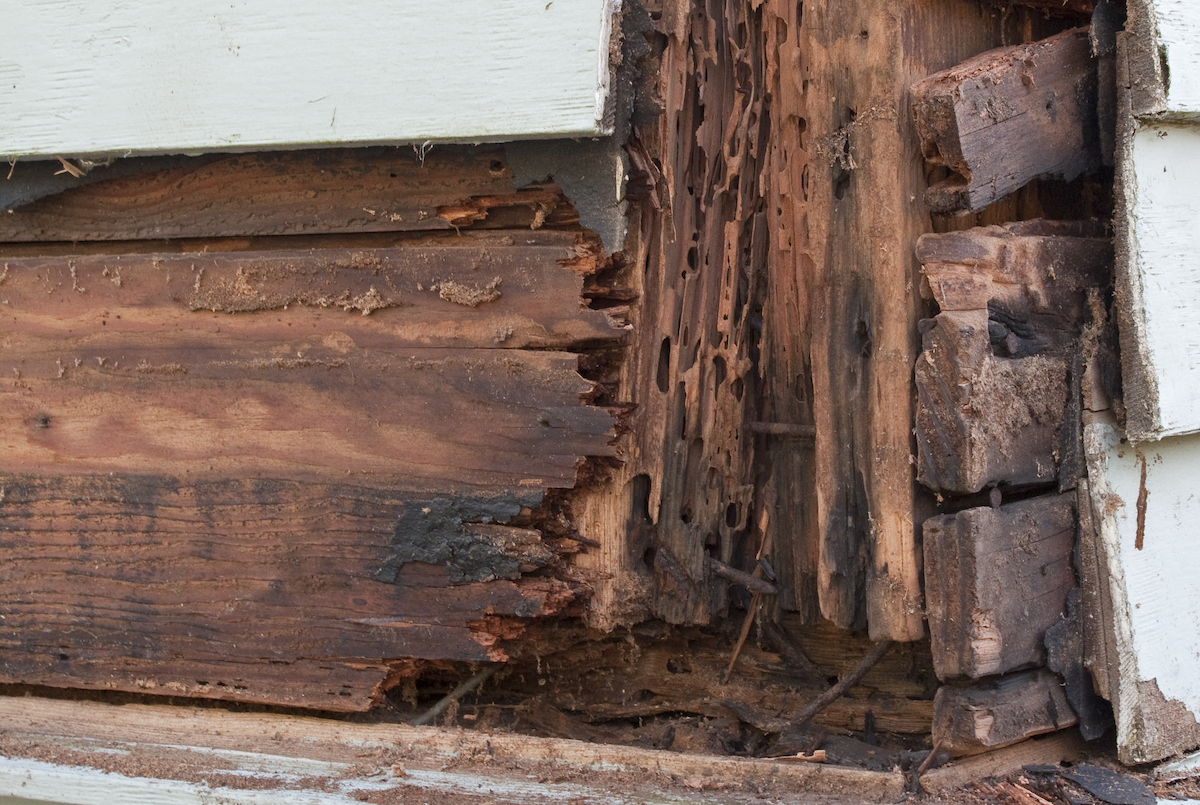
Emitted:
<point x="206" y="739"/>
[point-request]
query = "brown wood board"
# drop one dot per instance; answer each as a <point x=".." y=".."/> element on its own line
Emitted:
<point x="999" y="712"/>
<point x="992" y="378"/>
<point x="278" y="193"/>
<point x="861" y="216"/>
<point x="995" y="581"/>
<point x="1007" y="116"/>
<point x="279" y="592"/>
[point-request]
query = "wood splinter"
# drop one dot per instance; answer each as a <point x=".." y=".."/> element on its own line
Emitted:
<point x="836" y="691"/>
<point x="453" y="696"/>
<point x="748" y="580"/>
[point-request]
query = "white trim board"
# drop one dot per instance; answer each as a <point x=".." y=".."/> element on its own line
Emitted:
<point x="1145" y="504"/>
<point x="96" y="77"/>
<point x="1161" y="261"/>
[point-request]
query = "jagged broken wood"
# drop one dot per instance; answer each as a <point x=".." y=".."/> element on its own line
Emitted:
<point x="1008" y="116"/>
<point x="992" y="378"/>
<point x="1000" y="711"/>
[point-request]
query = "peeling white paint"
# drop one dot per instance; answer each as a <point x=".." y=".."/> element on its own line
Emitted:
<point x="1179" y="35"/>
<point x="1165" y="223"/>
<point x="113" y="77"/>
<point x="1153" y="572"/>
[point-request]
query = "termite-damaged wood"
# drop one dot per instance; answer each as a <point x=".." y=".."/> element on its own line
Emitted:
<point x="304" y="594"/>
<point x="857" y="212"/>
<point x="995" y="581"/>
<point x="1008" y="116"/>
<point x="992" y="378"/>
<point x="999" y="712"/>
<point x="348" y="190"/>
<point x="289" y="470"/>
<point x="475" y="290"/>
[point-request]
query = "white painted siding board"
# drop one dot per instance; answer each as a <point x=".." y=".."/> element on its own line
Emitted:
<point x="1179" y="35"/>
<point x="160" y="76"/>
<point x="1154" y="585"/>
<point x="1165" y="222"/>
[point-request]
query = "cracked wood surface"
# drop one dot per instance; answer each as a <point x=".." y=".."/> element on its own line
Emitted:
<point x="289" y="470"/>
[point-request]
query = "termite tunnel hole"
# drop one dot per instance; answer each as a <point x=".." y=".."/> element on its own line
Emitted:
<point x="663" y="377"/>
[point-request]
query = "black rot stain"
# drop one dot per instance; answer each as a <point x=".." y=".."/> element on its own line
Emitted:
<point x="1143" y="496"/>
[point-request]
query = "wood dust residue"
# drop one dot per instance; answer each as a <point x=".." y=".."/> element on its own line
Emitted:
<point x="469" y="295"/>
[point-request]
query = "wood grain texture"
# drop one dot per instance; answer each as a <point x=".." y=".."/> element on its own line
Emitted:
<point x="269" y="591"/>
<point x="473" y="291"/>
<point x="995" y="580"/>
<point x="992" y="377"/>
<point x="1000" y="712"/>
<point x="1143" y="505"/>
<point x="273" y="193"/>
<point x="211" y="743"/>
<point x="862" y="215"/>
<point x="1008" y="116"/>
<point x="268" y="73"/>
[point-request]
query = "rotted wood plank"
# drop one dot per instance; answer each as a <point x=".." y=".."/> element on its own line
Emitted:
<point x="302" y="594"/>
<point x="861" y="215"/>
<point x="995" y="581"/>
<point x="473" y="290"/>
<point x="999" y="712"/>
<point x="992" y="378"/>
<point x="1008" y="116"/>
<point x="274" y="193"/>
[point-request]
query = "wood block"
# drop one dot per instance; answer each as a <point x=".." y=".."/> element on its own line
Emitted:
<point x="995" y="581"/>
<point x="999" y="712"/>
<point x="992" y="379"/>
<point x="1008" y="116"/>
<point x="982" y="419"/>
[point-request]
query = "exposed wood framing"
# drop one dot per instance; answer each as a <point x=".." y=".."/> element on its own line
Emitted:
<point x="992" y="379"/>
<point x="1008" y="116"/>
<point x="279" y="74"/>
<point x="861" y="213"/>
<point x="967" y="721"/>
<point x="284" y="470"/>
<point x="995" y="580"/>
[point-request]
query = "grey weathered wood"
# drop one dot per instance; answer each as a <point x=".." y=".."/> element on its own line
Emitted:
<point x="992" y="379"/>
<point x="1008" y="116"/>
<point x="995" y="580"/>
<point x="999" y="712"/>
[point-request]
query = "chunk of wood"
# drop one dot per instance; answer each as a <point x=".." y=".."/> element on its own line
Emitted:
<point x="1060" y="747"/>
<point x="999" y="712"/>
<point x="995" y="581"/>
<point x="983" y="419"/>
<point x="992" y="381"/>
<point x="1008" y="116"/>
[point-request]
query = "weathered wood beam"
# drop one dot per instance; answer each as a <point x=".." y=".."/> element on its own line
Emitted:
<point x="856" y="213"/>
<point x="992" y="378"/>
<point x="1008" y="116"/>
<point x="243" y="195"/>
<point x="999" y="712"/>
<point x="995" y="581"/>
